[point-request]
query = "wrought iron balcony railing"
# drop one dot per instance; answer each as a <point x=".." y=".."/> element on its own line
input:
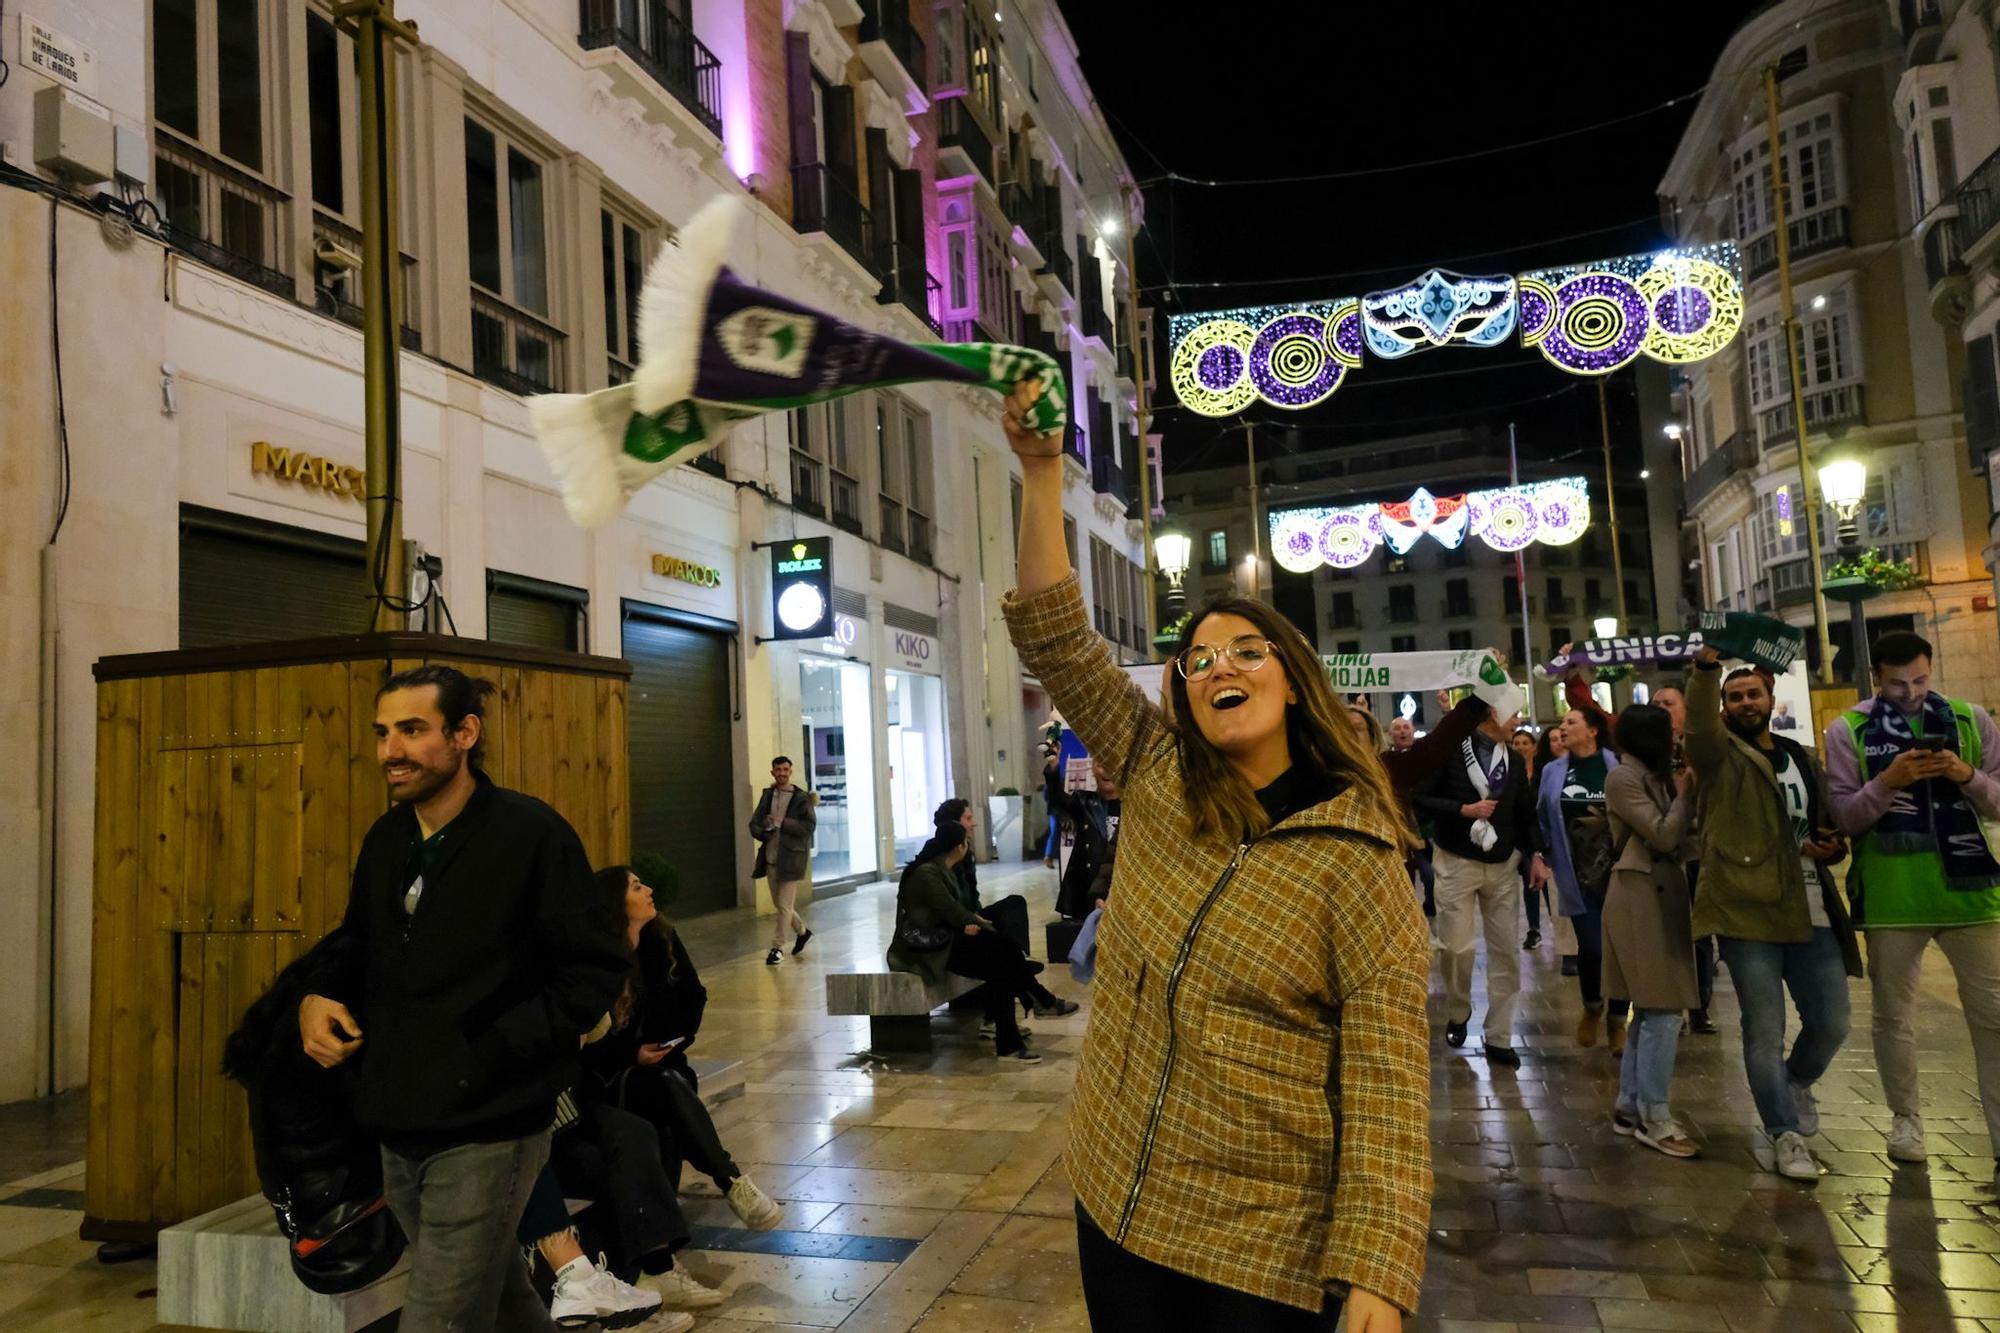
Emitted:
<point x="661" y="43"/>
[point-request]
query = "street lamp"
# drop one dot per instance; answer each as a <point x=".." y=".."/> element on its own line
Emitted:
<point x="1843" y="482"/>
<point x="1172" y="550"/>
<point x="1673" y="431"/>
<point x="1606" y="627"/>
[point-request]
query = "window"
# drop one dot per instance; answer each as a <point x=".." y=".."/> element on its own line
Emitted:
<point x="902" y="456"/>
<point x="1513" y="595"/>
<point x="1348" y="647"/>
<point x="1632" y="598"/>
<point x="623" y="250"/>
<point x="1458" y="597"/>
<point x="808" y="461"/>
<point x="1217" y="558"/>
<point x="1827" y="351"/>
<point x="1928" y="148"/>
<point x="324" y="117"/>
<point x="1593" y="597"/>
<point x="1100" y="586"/>
<point x="1459" y="640"/>
<point x="1403" y="643"/>
<point x="1558" y="636"/>
<point x="1519" y="646"/>
<point x="1554" y="588"/>
<point x="507" y="249"/>
<point x="1069" y="538"/>
<point x="1810" y="144"/>
<point x="1403" y="604"/>
<point x="210" y="145"/>
<point x="1343" y="615"/>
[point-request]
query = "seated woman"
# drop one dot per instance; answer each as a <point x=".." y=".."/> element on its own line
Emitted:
<point x="936" y="934"/>
<point x="1009" y="915"/>
<point x="641" y="1065"/>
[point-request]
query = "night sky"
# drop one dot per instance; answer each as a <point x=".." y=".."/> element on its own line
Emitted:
<point x="1379" y="86"/>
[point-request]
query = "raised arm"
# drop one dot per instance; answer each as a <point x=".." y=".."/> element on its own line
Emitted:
<point x="1704" y="738"/>
<point x="1626" y="796"/>
<point x="1408" y="768"/>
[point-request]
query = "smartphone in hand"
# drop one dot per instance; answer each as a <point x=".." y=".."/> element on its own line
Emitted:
<point x="1933" y="744"/>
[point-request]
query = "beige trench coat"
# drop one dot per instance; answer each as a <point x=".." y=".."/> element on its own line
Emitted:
<point x="1648" y="937"/>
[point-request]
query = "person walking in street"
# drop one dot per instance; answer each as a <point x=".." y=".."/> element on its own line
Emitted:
<point x="1768" y="896"/>
<point x="1482" y="812"/>
<point x="1535" y="894"/>
<point x="1669" y="695"/>
<point x="1577" y="833"/>
<point x="1648" y="948"/>
<point x="783" y="825"/>
<point x="1251" y="1145"/>
<point x="480" y="960"/>
<point x="1915" y="780"/>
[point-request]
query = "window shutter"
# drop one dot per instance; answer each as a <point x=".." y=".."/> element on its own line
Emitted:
<point x="881" y="198"/>
<point x="909" y="210"/>
<point x="1982" y="402"/>
<point x="840" y="144"/>
<point x="799" y="91"/>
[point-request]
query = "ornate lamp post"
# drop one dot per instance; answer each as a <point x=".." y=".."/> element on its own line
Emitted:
<point x="1843" y="481"/>
<point x="1172" y="550"/>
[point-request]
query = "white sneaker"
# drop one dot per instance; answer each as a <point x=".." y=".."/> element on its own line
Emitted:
<point x="585" y="1295"/>
<point x="1794" y="1160"/>
<point x="754" y="1206"/>
<point x="1906" y="1139"/>
<point x="1808" y="1108"/>
<point x="667" y="1321"/>
<point x="679" y="1291"/>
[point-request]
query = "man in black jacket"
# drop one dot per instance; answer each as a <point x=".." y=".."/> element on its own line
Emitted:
<point x="1482" y="814"/>
<point x="1092" y="815"/>
<point x="481" y="956"/>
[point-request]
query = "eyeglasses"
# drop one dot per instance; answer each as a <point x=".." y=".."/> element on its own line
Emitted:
<point x="1246" y="652"/>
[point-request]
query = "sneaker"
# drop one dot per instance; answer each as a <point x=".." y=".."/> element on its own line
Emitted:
<point x="1454" y="1034"/>
<point x="1569" y="965"/>
<point x="1533" y="941"/>
<point x="1617" y="1031"/>
<point x="668" y="1321"/>
<point x="1793" y="1159"/>
<point x="773" y="958"/>
<point x="1700" y="1022"/>
<point x="754" y="1206"/>
<point x="1623" y="1122"/>
<point x="799" y="943"/>
<point x="1060" y="1009"/>
<point x="1668" y="1137"/>
<point x="1027" y="1055"/>
<point x="679" y="1291"/>
<point x="585" y="1295"/>
<point x="1808" y="1108"/>
<point x="1906" y="1139"/>
<point x="1586" y="1028"/>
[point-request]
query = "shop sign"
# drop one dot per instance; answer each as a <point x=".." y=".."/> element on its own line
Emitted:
<point x="802" y="588"/>
<point x="58" y="55"/>
<point x="844" y="637"/>
<point x="687" y="571"/>
<point x="908" y="650"/>
<point x="309" y="470"/>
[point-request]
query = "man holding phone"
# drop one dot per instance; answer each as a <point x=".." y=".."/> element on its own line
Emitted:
<point x="1916" y="784"/>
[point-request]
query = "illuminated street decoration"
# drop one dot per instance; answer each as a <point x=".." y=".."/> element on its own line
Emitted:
<point x="1554" y="513"/>
<point x="1676" y="306"/>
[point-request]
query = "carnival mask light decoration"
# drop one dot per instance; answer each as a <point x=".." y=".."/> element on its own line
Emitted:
<point x="1437" y="309"/>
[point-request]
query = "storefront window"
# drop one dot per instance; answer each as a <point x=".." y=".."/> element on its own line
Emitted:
<point x="840" y="739"/>
<point x="918" y="779"/>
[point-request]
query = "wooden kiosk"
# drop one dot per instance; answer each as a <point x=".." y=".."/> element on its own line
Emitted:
<point x="233" y="789"/>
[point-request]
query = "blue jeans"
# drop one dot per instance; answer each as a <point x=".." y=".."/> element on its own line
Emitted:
<point x="1589" y="927"/>
<point x="1817" y="977"/>
<point x="1646" y="1073"/>
<point x="460" y="1209"/>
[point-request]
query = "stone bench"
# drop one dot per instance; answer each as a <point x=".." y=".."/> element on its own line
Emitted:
<point x="898" y="1004"/>
<point x="232" y="1268"/>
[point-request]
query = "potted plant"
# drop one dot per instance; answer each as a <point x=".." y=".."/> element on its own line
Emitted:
<point x="1868" y="574"/>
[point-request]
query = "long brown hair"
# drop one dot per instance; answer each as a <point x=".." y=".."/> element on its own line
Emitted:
<point x="612" y="883"/>
<point x="1221" y="803"/>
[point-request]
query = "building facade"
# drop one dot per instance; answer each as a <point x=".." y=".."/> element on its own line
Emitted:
<point x="197" y="477"/>
<point x="1866" y="125"/>
<point x="1432" y="598"/>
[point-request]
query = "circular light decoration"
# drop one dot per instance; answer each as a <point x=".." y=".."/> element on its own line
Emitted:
<point x="1346" y="541"/>
<point x="1289" y="363"/>
<point x="1209" y="365"/>
<point x="1562" y="512"/>
<point x="1295" y="542"/>
<point x="1600" y="323"/>
<point x="1538" y="309"/>
<point x="800" y="606"/>
<point x="1696" y="307"/>
<point x="1343" y="334"/>
<point x="1510" y="521"/>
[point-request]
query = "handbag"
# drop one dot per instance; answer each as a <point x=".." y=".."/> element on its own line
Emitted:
<point x="1592" y="854"/>
<point x="925" y="939"/>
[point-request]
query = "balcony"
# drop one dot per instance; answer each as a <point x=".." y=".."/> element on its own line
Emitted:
<point x="514" y="350"/>
<point x="1944" y="266"/>
<point x="894" y="54"/>
<point x="1841" y="405"/>
<point x="906" y="277"/>
<point x="1978" y="204"/>
<point x="660" y="43"/>
<point x="825" y="201"/>
<point x="226" y="218"/>
<point x="1791" y="583"/>
<point x="1921" y="23"/>
<point x="1060" y="268"/>
<point x="1735" y="455"/>
<point x="1454" y="609"/>
<point x="1402" y="613"/>
<point x="972" y="329"/>
<point x="960" y="133"/>
<point x="335" y="291"/>
<point x="1560" y="606"/>
<point x="1106" y="477"/>
<point x="920" y="538"/>
<point x="1811" y="234"/>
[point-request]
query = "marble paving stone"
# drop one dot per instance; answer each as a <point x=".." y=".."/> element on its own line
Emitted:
<point x="909" y="1189"/>
<point x="922" y="1278"/>
<point x="894" y="1149"/>
<point x="1585" y="1282"/>
<point x="874" y="1219"/>
<point x="798" y="1214"/>
<point x="1043" y="1276"/>
<point x="962" y="1313"/>
<point x="970" y="1116"/>
<point x="775" y="1288"/>
<point x="25" y="1228"/>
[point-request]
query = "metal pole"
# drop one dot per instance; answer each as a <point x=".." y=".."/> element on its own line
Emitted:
<point x="1256" y="540"/>
<point x="1521" y="582"/>
<point x="1145" y="417"/>
<point x="1857" y="611"/>
<point x="1611" y="508"/>
<point x="1789" y="326"/>
<point x="375" y="28"/>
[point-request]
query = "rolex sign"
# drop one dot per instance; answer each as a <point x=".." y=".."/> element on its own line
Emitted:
<point x="802" y="588"/>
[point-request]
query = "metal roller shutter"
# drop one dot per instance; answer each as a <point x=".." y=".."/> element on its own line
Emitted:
<point x="682" y="764"/>
<point x="533" y="611"/>
<point x="242" y="581"/>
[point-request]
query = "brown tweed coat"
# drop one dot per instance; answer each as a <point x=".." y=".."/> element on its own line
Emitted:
<point x="1253" y="1103"/>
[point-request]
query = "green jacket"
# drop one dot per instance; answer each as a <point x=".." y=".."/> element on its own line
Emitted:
<point x="1752" y="886"/>
<point x="927" y="896"/>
